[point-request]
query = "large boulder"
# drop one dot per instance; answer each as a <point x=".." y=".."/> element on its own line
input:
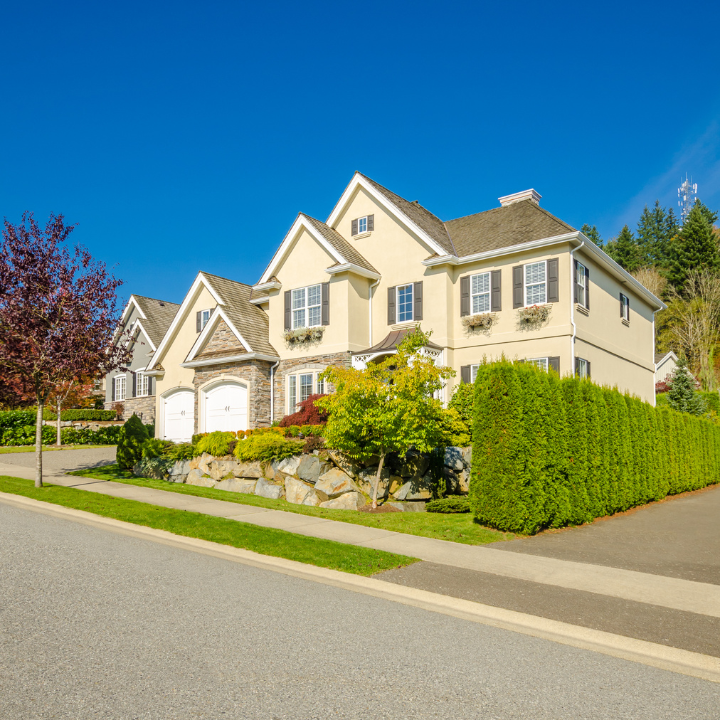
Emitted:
<point x="467" y="456"/>
<point x="416" y="489"/>
<point x="240" y="485"/>
<point x="464" y="482"/>
<point x="311" y="467"/>
<point x="181" y="467"/>
<point x="454" y="458"/>
<point x="289" y="465"/>
<point x="196" y="477"/>
<point x="366" y="481"/>
<point x="414" y="464"/>
<point x="251" y="469"/>
<point x="204" y="463"/>
<point x="409" y="506"/>
<point x="346" y="501"/>
<point x="222" y="469"/>
<point x="345" y="463"/>
<point x="335" y="483"/>
<point x="265" y="489"/>
<point x="299" y="493"/>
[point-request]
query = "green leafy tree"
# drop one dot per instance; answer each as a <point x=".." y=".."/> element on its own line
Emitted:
<point x="694" y="248"/>
<point x="130" y="444"/>
<point x="592" y="233"/>
<point x="682" y="395"/>
<point x="387" y="407"/>
<point x="624" y="250"/>
<point x="655" y="232"/>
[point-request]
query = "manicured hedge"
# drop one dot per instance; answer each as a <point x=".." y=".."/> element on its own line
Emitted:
<point x="81" y="414"/>
<point x="25" y="435"/>
<point x="12" y="419"/>
<point x="549" y="452"/>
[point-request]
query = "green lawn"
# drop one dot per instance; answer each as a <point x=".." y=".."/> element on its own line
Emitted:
<point x="46" y="448"/>
<point x="267" y="541"/>
<point x="457" y="528"/>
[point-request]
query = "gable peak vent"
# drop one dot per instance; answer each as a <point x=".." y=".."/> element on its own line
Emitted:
<point x="520" y="196"/>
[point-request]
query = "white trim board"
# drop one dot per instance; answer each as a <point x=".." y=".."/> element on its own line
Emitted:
<point x="204" y="335"/>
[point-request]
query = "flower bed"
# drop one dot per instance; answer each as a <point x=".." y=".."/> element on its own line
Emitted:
<point x="534" y="314"/>
<point x="305" y="334"/>
<point x="480" y="320"/>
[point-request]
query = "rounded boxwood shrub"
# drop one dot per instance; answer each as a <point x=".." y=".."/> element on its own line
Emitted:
<point x="132" y="437"/>
<point x="452" y="504"/>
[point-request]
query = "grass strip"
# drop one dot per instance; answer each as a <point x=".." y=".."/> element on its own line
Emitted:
<point x="267" y="541"/>
<point x="31" y="448"/>
<point x="459" y="527"/>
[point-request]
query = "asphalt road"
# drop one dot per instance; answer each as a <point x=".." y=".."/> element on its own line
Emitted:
<point x="60" y="461"/>
<point x="99" y="625"/>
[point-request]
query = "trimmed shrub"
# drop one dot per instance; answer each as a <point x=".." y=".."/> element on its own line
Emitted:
<point x="307" y="414"/>
<point x="462" y="401"/>
<point x="454" y="429"/>
<point x="153" y="447"/>
<point x="81" y="414"/>
<point x="216" y="443"/>
<point x="313" y="443"/>
<point x="15" y="419"/>
<point x="452" y="504"/>
<point x="549" y="452"/>
<point x="132" y="437"/>
<point x="180" y="451"/>
<point x="266" y="446"/>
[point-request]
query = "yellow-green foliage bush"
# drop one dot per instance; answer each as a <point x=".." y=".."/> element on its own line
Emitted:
<point x="549" y="452"/>
<point x="266" y="446"/>
<point x="216" y="443"/>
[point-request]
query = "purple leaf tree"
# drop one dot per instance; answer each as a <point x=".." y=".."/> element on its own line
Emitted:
<point x="58" y="313"/>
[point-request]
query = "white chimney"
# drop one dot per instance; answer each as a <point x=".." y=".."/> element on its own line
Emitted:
<point x="518" y="197"/>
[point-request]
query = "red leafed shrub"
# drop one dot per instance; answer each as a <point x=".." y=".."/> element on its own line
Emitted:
<point x="308" y="414"/>
<point x="661" y="387"/>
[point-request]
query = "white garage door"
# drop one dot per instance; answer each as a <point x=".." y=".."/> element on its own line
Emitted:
<point x="226" y="408"/>
<point x="180" y="416"/>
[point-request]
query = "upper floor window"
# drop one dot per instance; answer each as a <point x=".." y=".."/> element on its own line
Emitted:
<point x="307" y="306"/>
<point x="480" y="294"/>
<point x="119" y="393"/>
<point x="625" y="307"/>
<point x="404" y="303"/>
<point x="363" y="225"/>
<point x="141" y="385"/>
<point x="202" y="319"/>
<point x="581" y="288"/>
<point x="536" y="283"/>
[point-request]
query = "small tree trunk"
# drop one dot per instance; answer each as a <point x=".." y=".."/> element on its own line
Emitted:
<point x="58" y="440"/>
<point x="377" y="481"/>
<point x="38" y="443"/>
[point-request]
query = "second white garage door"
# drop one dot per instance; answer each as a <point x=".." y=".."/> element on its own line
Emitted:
<point x="226" y="408"/>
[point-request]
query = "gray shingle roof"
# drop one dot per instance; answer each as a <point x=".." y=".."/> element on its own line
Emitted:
<point x="250" y="321"/>
<point x="159" y="316"/>
<point x="502" y="227"/>
<point x="340" y="243"/>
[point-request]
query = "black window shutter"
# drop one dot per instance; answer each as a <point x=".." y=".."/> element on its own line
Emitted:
<point x="417" y="301"/>
<point x="464" y="296"/>
<point x="576" y="287"/>
<point x="354" y="228"/>
<point x="518" y="299"/>
<point x="627" y="300"/>
<point x="371" y="222"/>
<point x="554" y="363"/>
<point x="150" y="385"/>
<point x="391" y="306"/>
<point x="496" y="290"/>
<point x="587" y="365"/>
<point x="198" y="321"/>
<point x="465" y="374"/>
<point x="326" y="303"/>
<point x="553" y="281"/>
<point x="621" y="305"/>
<point x="288" y="311"/>
<point x="113" y="389"/>
<point x="587" y="288"/>
<point x="134" y="389"/>
<point x="212" y="310"/>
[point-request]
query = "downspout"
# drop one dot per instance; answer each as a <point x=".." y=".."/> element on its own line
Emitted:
<point x="272" y="392"/>
<point x="374" y="285"/>
<point x="654" y="378"/>
<point x="572" y="307"/>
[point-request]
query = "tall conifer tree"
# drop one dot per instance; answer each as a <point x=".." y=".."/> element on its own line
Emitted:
<point x="624" y="250"/>
<point x="592" y="233"/>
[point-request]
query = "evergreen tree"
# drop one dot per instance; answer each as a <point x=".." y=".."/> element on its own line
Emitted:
<point x="694" y="248"/>
<point x="592" y="233"/>
<point x="682" y="395"/>
<point x="129" y="447"/>
<point x="624" y="250"/>
<point x="656" y="229"/>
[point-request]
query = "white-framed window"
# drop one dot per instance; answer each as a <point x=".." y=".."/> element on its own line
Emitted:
<point x="320" y="386"/>
<point x="119" y="381"/>
<point x="204" y="318"/>
<point x="581" y="281"/>
<point x="473" y="373"/>
<point x="307" y="306"/>
<point x="480" y="293"/>
<point x="624" y="307"/>
<point x="301" y="386"/>
<point x="540" y="362"/>
<point x="536" y="283"/>
<point x="362" y="225"/>
<point x="404" y="303"/>
<point x="582" y="368"/>
<point x="141" y="385"/>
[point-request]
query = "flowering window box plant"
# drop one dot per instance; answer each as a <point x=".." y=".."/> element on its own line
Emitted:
<point x="533" y="314"/>
<point x="303" y="334"/>
<point x="479" y="320"/>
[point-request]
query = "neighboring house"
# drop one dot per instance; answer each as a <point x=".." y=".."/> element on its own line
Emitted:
<point x="665" y="364"/>
<point x="346" y="291"/>
<point x="146" y="319"/>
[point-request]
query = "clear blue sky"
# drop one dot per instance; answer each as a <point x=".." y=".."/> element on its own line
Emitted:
<point x="185" y="136"/>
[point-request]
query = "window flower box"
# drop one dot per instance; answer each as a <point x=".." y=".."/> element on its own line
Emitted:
<point x="534" y="314"/>
<point x="303" y="334"/>
<point x="480" y="320"/>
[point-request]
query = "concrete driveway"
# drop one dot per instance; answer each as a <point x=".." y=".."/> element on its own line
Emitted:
<point x="60" y="461"/>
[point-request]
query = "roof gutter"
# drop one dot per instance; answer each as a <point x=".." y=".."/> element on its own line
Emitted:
<point x="351" y="267"/>
<point x="229" y="359"/>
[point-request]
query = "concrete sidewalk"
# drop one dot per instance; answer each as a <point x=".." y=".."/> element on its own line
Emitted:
<point x="657" y="590"/>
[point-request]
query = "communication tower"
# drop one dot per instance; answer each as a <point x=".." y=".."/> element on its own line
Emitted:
<point x="687" y="192"/>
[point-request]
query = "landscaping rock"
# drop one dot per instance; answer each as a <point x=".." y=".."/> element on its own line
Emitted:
<point x="347" y="501"/>
<point x="289" y="465"/>
<point x="177" y="478"/>
<point x="467" y="456"/>
<point x="251" y="469"/>
<point x="196" y="477"/>
<point x="334" y="483"/>
<point x="345" y="463"/>
<point x="313" y="498"/>
<point x="414" y="464"/>
<point x="311" y="467"/>
<point x="366" y="481"/>
<point x="464" y="482"/>
<point x="181" y="467"/>
<point x="416" y="489"/>
<point x="454" y="458"/>
<point x="204" y="463"/>
<point x="296" y="491"/>
<point x="221" y="469"/>
<point x="396" y="483"/>
<point x="409" y="506"/>
<point x="237" y="485"/>
<point x="268" y="490"/>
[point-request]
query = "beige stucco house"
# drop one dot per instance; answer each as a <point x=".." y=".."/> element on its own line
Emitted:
<point x="513" y="280"/>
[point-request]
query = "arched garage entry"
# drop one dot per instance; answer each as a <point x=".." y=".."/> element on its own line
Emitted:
<point x="224" y="406"/>
<point x="179" y="415"/>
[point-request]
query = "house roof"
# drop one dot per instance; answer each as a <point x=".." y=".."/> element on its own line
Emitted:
<point x="391" y="341"/>
<point x="520" y="222"/>
<point x="346" y="250"/>
<point x="250" y="321"/>
<point x="159" y="315"/>
<point x="660" y="357"/>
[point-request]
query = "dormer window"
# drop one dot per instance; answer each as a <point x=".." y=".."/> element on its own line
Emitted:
<point x="202" y="319"/>
<point x="363" y="225"/>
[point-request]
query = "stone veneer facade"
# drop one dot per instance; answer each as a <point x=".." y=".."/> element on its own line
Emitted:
<point x="143" y="407"/>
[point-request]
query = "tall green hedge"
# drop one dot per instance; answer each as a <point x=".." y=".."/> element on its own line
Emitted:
<point x="550" y="452"/>
<point x="79" y="414"/>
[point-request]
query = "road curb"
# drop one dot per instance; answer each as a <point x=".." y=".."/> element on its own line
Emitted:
<point x="640" y="651"/>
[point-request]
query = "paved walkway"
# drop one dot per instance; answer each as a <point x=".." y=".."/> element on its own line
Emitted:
<point x="630" y="585"/>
